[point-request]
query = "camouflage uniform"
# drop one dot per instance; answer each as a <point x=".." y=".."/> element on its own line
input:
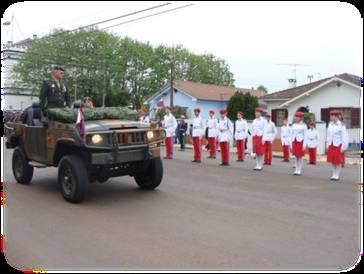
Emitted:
<point x="54" y="95"/>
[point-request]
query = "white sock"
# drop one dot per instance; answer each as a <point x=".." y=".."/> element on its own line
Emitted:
<point x="296" y="164"/>
<point x="300" y="164"/>
<point x="256" y="161"/>
<point x="333" y="171"/>
<point x="338" y="170"/>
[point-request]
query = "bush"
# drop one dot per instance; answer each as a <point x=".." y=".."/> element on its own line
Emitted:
<point x="244" y="102"/>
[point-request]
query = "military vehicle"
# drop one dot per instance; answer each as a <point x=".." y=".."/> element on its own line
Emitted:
<point x="109" y="148"/>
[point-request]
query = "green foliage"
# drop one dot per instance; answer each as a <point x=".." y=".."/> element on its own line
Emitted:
<point x="100" y="64"/>
<point x="308" y="116"/>
<point x="244" y="102"/>
<point x="262" y="88"/>
<point x="177" y="112"/>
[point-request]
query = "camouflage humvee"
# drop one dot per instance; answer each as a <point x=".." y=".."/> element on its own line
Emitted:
<point x="109" y="148"/>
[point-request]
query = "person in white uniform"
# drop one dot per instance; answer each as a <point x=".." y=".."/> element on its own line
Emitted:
<point x="241" y="133"/>
<point x="269" y="134"/>
<point x="257" y="136"/>
<point x="336" y="144"/>
<point x="298" y="141"/>
<point x="197" y="133"/>
<point x="312" y="142"/>
<point x="212" y="134"/>
<point x="225" y="136"/>
<point x="285" y="139"/>
<point x="169" y="124"/>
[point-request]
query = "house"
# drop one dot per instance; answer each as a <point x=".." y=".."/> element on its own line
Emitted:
<point x="337" y="92"/>
<point x="191" y="94"/>
<point x="14" y="97"/>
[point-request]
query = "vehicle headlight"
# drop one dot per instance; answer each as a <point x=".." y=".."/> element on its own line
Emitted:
<point x="150" y="135"/>
<point x="97" y="138"/>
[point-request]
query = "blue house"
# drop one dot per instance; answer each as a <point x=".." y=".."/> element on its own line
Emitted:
<point x="191" y="95"/>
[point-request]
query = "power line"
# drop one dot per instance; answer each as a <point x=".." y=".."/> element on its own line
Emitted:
<point x="121" y="16"/>
<point x="147" y="16"/>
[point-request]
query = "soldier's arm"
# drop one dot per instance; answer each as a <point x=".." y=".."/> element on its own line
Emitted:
<point x="67" y="99"/>
<point x="43" y="95"/>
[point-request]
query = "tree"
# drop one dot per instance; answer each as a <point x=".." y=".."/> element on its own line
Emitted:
<point x="262" y="88"/>
<point x="244" y="102"/>
<point x="114" y="70"/>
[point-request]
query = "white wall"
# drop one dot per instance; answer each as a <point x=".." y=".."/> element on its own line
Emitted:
<point x="327" y="97"/>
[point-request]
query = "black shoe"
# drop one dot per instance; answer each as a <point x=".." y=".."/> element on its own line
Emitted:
<point x="224" y="164"/>
<point x="285" y="160"/>
<point x="167" y="158"/>
<point x="258" y="169"/>
<point x="196" y="161"/>
<point x="240" y="160"/>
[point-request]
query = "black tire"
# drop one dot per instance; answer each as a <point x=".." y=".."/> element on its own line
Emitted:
<point x="152" y="175"/>
<point x="23" y="172"/>
<point x="72" y="178"/>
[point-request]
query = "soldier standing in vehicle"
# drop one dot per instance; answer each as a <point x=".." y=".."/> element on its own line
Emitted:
<point x="54" y="93"/>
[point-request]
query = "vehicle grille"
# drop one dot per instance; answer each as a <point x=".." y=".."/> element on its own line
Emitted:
<point x="132" y="138"/>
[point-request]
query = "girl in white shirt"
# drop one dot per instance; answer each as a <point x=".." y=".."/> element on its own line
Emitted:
<point x="269" y="134"/>
<point x="312" y="142"/>
<point x="336" y="144"/>
<point x="212" y="134"/>
<point x="241" y="132"/>
<point x="197" y="132"/>
<point x="298" y="138"/>
<point x="170" y="125"/>
<point x="257" y="136"/>
<point x="225" y="133"/>
<point x="285" y="139"/>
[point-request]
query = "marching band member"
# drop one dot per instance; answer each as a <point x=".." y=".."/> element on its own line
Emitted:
<point x="341" y="118"/>
<point x="269" y="133"/>
<point x="170" y="125"/>
<point x="225" y="133"/>
<point x="197" y="133"/>
<point x="285" y="139"/>
<point x="312" y="142"/>
<point x="241" y="132"/>
<point x="336" y="143"/>
<point x="257" y="135"/>
<point x="298" y="141"/>
<point x="212" y="134"/>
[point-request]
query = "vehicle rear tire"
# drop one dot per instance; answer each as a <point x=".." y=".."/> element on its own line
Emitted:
<point x="72" y="178"/>
<point x="23" y="172"/>
<point x="152" y="175"/>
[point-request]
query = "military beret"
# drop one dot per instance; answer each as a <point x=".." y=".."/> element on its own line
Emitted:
<point x="259" y="109"/>
<point x="212" y="111"/>
<point x="240" y="112"/>
<point x="196" y="110"/>
<point x="223" y="111"/>
<point x="58" y="68"/>
<point x="170" y="108"/>
<point x="335" y="112"/>
<point x="299" y="114"/>
<point x="267" y="115"/>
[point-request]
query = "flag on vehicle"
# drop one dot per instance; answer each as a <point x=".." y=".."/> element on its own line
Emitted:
<point x="80" y="123"/>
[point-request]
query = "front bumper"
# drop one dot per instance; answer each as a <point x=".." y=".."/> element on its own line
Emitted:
<point x="120" y="156"/>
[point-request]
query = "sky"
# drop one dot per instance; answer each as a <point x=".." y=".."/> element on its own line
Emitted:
<point x="257" y="39"/>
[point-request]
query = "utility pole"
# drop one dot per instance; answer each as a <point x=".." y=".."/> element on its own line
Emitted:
<point x="104" y="89"/>
<point x="172" y="79"/>
<point x="75" y="92"/>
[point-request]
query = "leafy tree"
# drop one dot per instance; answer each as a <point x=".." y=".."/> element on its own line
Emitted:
<point x="114" y="70"/>
<point x="262" y="88"/>
<point x="244" y="102"/>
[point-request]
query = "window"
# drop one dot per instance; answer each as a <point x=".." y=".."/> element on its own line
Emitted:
<point x="278" y="116"/>
<point x="351" y="116"/>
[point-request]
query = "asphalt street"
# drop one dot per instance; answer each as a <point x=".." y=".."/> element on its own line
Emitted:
<point x="202" y="216"/>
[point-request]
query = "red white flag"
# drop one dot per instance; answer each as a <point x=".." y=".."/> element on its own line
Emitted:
<point x="80" y="123"/>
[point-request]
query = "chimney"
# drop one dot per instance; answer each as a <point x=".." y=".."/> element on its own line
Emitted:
<point x="35" y="36"/>
<point x="292" y="83"/>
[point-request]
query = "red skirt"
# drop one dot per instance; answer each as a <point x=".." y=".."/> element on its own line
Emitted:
<point x="297" y="149"/>
<point x="334" y="155"/>
<point x="258" y="145"/>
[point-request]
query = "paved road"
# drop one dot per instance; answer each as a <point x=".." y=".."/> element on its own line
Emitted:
<point x="202" y="216"/>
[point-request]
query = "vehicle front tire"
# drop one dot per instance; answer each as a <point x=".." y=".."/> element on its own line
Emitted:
<point x="23" y="172"/>
<point x="152" y="175"/>
<point x="72" y="178"/>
